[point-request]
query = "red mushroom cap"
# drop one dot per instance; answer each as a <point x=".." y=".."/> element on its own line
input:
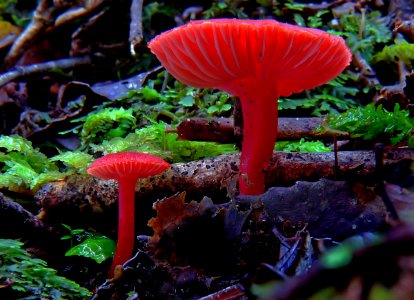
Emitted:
<point x="126" y="168"/>
<point x="219" y="53"/>
<point x="131" y="165"/>
<point x="258" y="61"/>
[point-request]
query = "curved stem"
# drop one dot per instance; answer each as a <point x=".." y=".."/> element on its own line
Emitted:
<point x="126" y="223"/>
<point x="259" y="109"/>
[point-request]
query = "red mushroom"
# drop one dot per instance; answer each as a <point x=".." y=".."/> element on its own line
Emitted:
<point x="257" y="61"/>
<point x="126" y="168"/>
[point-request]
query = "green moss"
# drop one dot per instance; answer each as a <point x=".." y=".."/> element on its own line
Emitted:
<point x="301" y="146"/>
<point x="75" y="161"/>
<point x="105" y="123"/>
<point x="24" y="277"/>
<point x="24" y="167"/>
<point x="402" y="51"/>
<point x="364" y="32"/>
<point x="221" y="8"/>
<point x="333" y="97"/>
<point x="376" y="123"/>
<point x="155" y="140"/>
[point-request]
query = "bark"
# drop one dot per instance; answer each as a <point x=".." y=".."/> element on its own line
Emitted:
<point x="223" y="130"/>
<point x="61" y="64"/>
<point x="216" y="178"/>
<point x="24" y="223"/>
<point x="135" y="27"/>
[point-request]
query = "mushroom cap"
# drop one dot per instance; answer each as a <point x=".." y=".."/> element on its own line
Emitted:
<point x="226" y="53"/>
<point x="127" y="165"/>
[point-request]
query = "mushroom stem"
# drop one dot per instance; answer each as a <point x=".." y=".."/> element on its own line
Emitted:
<point x="126" y="223"/>
<point x="259" y="109"/>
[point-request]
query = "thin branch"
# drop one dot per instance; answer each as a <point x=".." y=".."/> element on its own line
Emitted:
<point x="223" y="130"/>
<point x="135" y="27"/>
<point x="43" y="17"/>
<point x="66" y="63"/>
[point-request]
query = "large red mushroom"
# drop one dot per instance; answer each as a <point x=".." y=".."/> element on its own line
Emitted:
<point x="126" y="168"/>
<point x="257" y="61"/>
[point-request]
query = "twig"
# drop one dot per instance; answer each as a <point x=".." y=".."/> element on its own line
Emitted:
<point x="135" y="27"/>
<point x="66" y="63"/>
<point x="389" y="95"/>
<point x="232" y="292"/>
<point x="406" y="28"/>
<point x="380" y="185"/>
<point x="44" y="16"/>
<point x="362" y="65"/>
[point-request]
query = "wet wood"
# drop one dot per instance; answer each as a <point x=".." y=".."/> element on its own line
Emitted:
<point x="216" y="178"/>
<point x="23" y="222"/>
<point x="223" y="130"/>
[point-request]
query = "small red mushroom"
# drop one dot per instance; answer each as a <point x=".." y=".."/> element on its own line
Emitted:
<point x="257" y="61"/>
<point x="126" y="168"/>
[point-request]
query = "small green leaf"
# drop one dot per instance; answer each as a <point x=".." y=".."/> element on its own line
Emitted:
<point x="15" y="143"/>
<point x="301" y="146"/>
<point x="226" y="107"/>
<point x="338" y="257"/>
<point x="150" y="94"/>
<point x="264" y="290"/>
<point x="222" y="5"/>
<point x="98" y="248"/>
<point x="187" y="101"/>
<point x="212" y="109"/>
<point x="67" y="227"/>
<point x="342" y="254"/>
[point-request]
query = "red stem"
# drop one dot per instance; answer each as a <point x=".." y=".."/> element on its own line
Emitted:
<point x="126" y="223"/>
<point x="259" y="108"/>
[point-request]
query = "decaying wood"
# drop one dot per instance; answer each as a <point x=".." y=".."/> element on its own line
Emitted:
<point x="215" y="177"/>
<point x="222" y="130"/>
<point x="23" y="222"/>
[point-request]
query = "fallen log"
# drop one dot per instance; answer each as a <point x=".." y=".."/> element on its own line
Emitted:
<point x="215" y="178"/>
